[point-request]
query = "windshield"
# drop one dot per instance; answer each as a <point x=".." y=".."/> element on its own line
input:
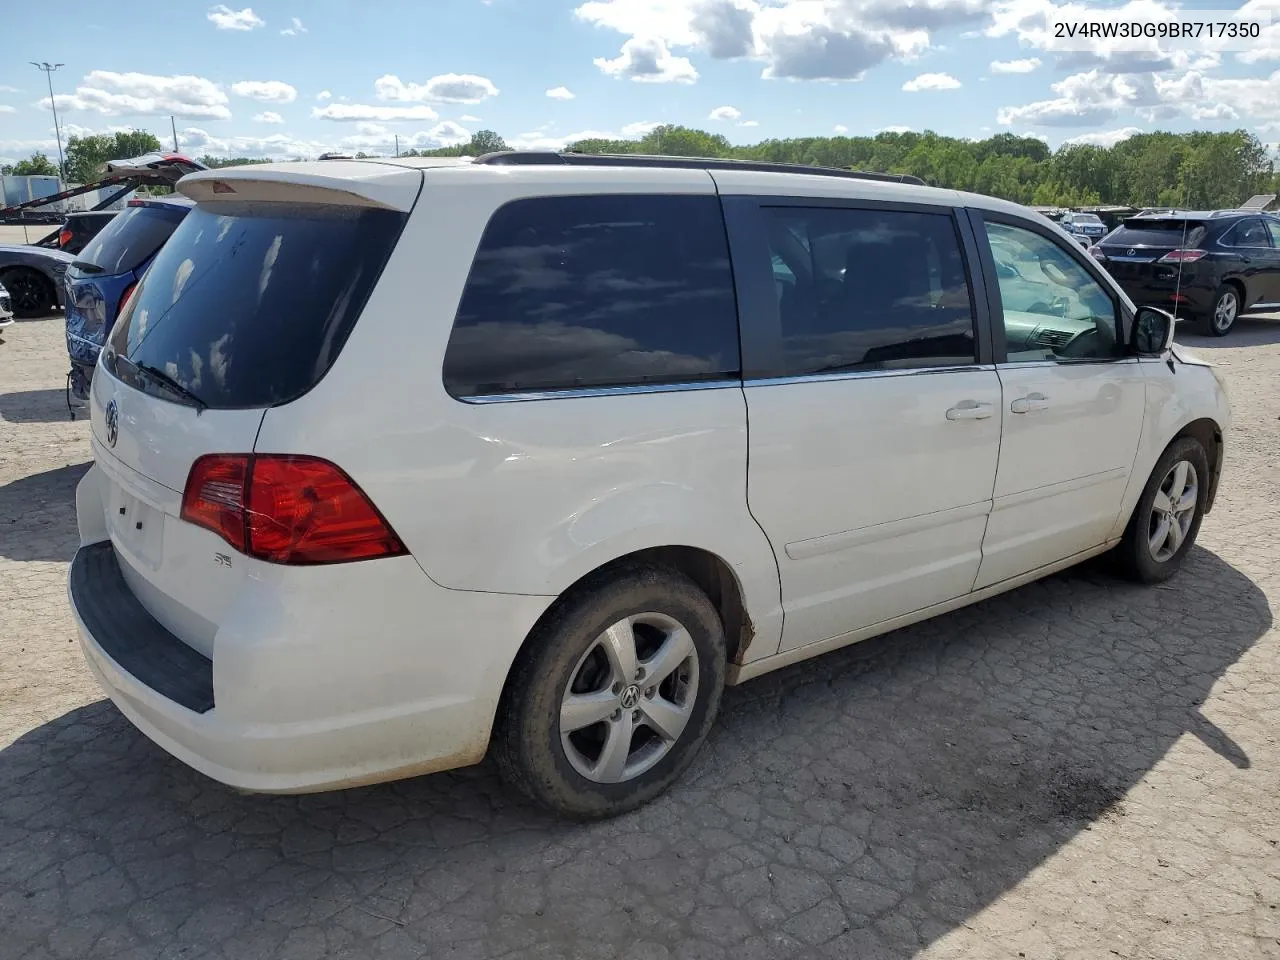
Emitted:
<point x="249" y="305"/>
<point x="131" y="238"/>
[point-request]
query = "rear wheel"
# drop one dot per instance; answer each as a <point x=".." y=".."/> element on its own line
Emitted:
<point x="614" y="694"/>
<point x="31" y="292"/>
<point x="1222" y="315"/>
<point x="1167" y="518"/>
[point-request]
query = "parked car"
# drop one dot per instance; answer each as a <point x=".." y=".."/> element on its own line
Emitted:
<point x="1209" y="267"/>
<point x="78" y="230"/>
<point x="1087" y="228"/>
<point x="403" y="462"/>
<point x="6" y="307"/>
<point x="106" y="273"/>
<point x="33" y="276"/>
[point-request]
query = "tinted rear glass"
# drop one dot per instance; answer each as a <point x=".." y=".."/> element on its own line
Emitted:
<point x="596" y="291"/>
<point x="1158" y="233"/>
<point x="248" y="306"/>
<point x="128" y="240"/>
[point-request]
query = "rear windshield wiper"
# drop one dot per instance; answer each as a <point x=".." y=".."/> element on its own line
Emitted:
<point x="86" y="266"/>
<point x="159" y="376"/>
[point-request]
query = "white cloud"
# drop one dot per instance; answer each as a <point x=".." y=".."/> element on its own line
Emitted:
<point x="375" y="138"/>
<point x="896" y="128"/>
<point x="931" y="81"/>
<point x="840" y="129"/>
<point x="446" y="88"/>
<point x="5" y="108"/>
<point x="468" y="118"/>
<point x="640" y="128"/>
<point x="362" y="111"/>
<point x="268" y="91"/>
<point x="324" y="95"/>
<point x="560" y="93"/>
<point x="794" y="39"/>
<point x="224" y="18"/>
<point x="268" y="116"/>
<point x="276" y="146"/>
<point x="725" y="113"/>
<point x="294" y="30"/>
<point x="5" y="89"/>
<point x="1015" y="66"/>
<point x="1105" y="138"/>
<point x="749" y="123"/>
<point x="113" y="94"/>
<point x="649" y="61"/>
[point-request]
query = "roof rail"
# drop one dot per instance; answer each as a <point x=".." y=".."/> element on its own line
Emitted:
<point x="552" y="158"/>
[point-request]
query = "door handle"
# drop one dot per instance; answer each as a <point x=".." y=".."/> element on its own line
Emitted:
<point x="1031" y="403"/>
<point x="970" y="410"/>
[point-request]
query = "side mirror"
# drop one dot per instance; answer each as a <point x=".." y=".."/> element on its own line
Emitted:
<point x="1152" y="332"/>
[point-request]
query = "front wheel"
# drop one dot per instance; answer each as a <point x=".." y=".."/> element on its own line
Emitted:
<point x="1167" y="518"/>
<point x="613" y="695"/>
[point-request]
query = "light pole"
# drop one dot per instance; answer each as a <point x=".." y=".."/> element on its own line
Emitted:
<point x="48" y="73"/>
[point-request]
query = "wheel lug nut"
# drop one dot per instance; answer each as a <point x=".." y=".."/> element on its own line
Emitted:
<point x="617" y="688"/>
<point x="617" y="715"/>
<point x="640" y="674"/>
<point x="635" y="715"/>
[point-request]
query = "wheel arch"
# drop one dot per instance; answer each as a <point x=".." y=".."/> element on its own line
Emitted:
<point x="708" y="570"/>
<point x="1209" y="434"/>
<point x="55" y="287"/>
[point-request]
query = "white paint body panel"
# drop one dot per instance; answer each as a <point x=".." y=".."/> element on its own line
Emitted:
<point x="1063" y="467"/>
<point x="843" y="507"/>
<point x="845" y="481"/>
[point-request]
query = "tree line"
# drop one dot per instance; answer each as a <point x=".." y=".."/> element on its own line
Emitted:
<point x="1196" y="170"/>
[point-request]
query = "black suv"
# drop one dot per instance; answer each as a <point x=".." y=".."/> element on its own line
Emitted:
<point x="1209" y="267"/>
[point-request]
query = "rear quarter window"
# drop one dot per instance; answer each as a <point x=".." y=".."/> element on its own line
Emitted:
<point x="596" y="291"/>
<point x="131" y="238"/>
<point x="248" y="305"/>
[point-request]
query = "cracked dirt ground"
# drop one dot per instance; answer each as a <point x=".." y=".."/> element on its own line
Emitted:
<point x="1080" y="769"/>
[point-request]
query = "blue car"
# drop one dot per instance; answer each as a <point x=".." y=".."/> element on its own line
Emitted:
<point x="103" y="276"/>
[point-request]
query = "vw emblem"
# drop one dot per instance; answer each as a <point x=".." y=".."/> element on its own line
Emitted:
<point x="1130" y="252"/>
<point x="112" y="415"/>
<point x="630" y="697"/>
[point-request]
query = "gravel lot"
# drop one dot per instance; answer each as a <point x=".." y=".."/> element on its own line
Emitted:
<point x="1081" y="769"/>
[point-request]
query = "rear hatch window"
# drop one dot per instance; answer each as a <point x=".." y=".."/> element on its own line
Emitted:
<point x="248" y="305"/>
<point x="1167" y="234"/>
<point x="129" y="240"/>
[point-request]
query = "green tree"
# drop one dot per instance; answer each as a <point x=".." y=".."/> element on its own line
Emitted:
<point x="37" y="165"/>
<point x="87" y="156"/>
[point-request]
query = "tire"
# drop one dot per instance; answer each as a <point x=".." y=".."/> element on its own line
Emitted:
<point x="1139" y="560"/>
<point x="572" y="771"/>
<point x="31" y="291"/>
<point x="1222" y="316"/>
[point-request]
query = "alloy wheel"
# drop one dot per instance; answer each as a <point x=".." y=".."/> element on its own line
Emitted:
<point x="1172" y="511"/>
<point x="629" y="698"/>
<point x="1224" y="312"/>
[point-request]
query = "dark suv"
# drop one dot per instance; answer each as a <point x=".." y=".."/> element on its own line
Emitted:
<point x="1209" y="267"/>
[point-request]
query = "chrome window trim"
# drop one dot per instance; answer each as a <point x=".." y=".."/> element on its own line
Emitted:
<point x="621" y="390"/>
<point x="1063" y="362"/>
<point x="867" y="374"/>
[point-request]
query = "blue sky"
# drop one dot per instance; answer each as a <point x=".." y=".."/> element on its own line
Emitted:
<point x="297" y="77"/>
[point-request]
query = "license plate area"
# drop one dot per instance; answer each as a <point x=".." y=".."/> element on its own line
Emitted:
<point x="137" y="528"/>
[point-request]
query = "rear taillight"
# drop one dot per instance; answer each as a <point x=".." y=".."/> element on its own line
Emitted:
<point x="1183" y="256"/>
<point x="64" y="236"/>
<point x="124" y="297"/>
<point x="286" y="509"/>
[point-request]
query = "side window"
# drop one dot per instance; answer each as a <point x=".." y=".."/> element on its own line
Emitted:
<point x="1273" y="227"/>
<point x="1247" y="233"/>
<point x="1053" y="308"/>
<point x="596" y="291"/>
<point x="868" y="290"/>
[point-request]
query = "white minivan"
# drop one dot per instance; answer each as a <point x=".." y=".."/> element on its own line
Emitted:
<point x="403" y="462"/>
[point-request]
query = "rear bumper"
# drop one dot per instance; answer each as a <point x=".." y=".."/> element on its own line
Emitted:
<point x="321" y="678"/>
<point x="1158" y="286"/>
